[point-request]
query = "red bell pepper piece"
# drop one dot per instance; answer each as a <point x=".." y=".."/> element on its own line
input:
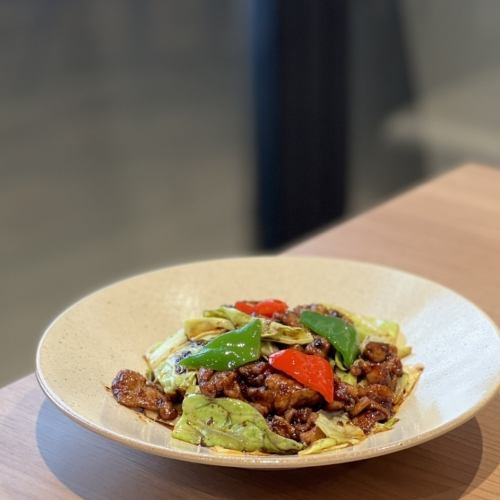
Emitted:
<point x="246" y="306"/>
<point x="269" y="307"/>
<point x="310" y="370"/>
<point x="262" y="308"/>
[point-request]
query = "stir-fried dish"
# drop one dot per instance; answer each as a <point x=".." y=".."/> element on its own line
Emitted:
<point x="258" y="376"/>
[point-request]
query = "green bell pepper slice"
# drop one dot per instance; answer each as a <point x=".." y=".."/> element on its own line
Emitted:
<point x="229" y="350"/>
<point x="338" y="332"/>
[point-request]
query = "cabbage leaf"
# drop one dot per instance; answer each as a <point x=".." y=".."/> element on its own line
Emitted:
<point x="229" y="423"/>
<point x="163" y="360"/>
<point x="271" y="330"/>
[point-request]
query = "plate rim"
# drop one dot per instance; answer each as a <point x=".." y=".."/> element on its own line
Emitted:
<point x="261" y="461"/>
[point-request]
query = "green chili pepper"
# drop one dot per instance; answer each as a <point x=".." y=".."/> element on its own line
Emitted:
<point x="229" y="350"/>
<point x="338" y="332"/>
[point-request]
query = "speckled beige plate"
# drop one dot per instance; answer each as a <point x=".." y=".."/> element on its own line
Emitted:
<point x="87" y="344"/>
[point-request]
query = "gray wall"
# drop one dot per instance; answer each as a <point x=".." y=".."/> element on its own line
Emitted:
<point x="125" y="145"/>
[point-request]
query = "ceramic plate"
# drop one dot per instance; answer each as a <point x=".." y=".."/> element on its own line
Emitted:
<point x="85" y="346"/>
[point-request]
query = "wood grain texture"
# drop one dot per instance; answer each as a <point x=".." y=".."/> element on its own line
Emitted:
<point x="447" y="230"/>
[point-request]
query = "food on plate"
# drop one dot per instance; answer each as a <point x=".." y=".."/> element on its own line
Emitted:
<point x="259" y="376"/>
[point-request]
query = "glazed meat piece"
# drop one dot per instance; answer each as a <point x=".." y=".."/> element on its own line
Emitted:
<point x="378" y="352"/>
<point x="380" y="373"/>
<point x="368" y="419"/>
<point x="335" y="405"/>
<point x="302" y="418"/>
<point x="374" y="404"/>
<point x="267" y="391"/>
<point x="379" y="393"/>
<point x="365" y="403"/>
<point x="214" y="384"/>
<point x="384" y="372"/>
<point x="278" y="394"/>
<point x="280" y="425"/>
<point x="254" y="374"/>
<point x="289" y="394"/>
<point x="289" y="318"/>
<point x="319" y="346"/>
<point x="345" y="396"/>
<point x="313" y="434"/>
<point x="260" y="398"/>
<point x="133" y="390"/>
<point x="297" y="424"/>
<point x="304" y="422"/>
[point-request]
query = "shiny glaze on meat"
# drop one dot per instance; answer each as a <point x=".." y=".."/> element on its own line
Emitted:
<point x="133" y="390"/>
<point x="287" y="393"/>
<point x="297" y="424"/>
<point x="319" y="347"/>
<point x="380" y="364"/>
<point x="213" y="384"/>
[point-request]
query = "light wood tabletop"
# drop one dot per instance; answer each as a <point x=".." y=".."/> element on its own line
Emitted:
<point x="447" y="230"/>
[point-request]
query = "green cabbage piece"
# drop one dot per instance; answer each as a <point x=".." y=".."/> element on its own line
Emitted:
<point x="339" y="427"/>
<point x="341" y="371"/>
<point x="368" y="326"/>
<point x="346" y="377"/>
<point x="203" y="328"/>
<point x="385" y="426"/>
<point x="338" y="361"/>
<point x="378" y="330"/>
<point x="158" y="352"/>
<point x="165" y="367"/>
<point x="400" y="387"/>
<point x="229" y="423"/>
<point x="323" y="445"/>
<point x="339" y="432"/>
<point x="271" y="330"/>
<point x="268" y="348"/>
<point x="236" y="317"/>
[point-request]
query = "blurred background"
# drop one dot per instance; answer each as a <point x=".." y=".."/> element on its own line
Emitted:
<point x="136" y="134"/>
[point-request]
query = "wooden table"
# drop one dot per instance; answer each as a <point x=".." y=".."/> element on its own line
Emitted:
<point x="447" y="230"/>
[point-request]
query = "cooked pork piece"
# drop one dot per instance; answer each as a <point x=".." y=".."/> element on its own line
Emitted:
<point x="254" y="374"/>
<point x="382" y="372"/>
<point x="368" y="419"/>
<point x="214" y="384"/>
<point x="374" y="404"/>
<point x="345" y="394"/>
<point x="279" y="425"/>
<point x="319" y="346"/>
<point x="133" y="390"/>
<point x="297" y="424"/>
<point x="289" y="318"/>
<point x="290" y="394"/>
<point x="378" y="351"/>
